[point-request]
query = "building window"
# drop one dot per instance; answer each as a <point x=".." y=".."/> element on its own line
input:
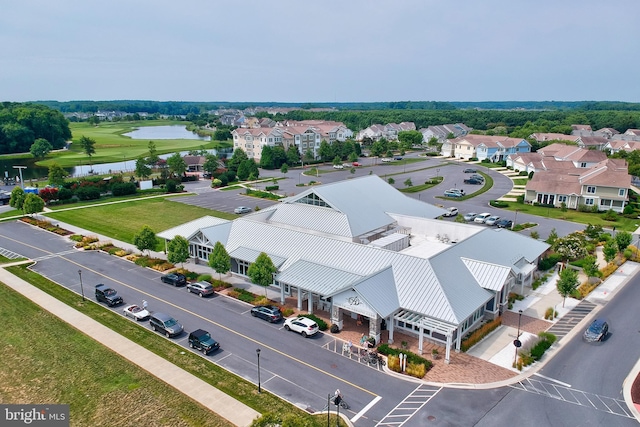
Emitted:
<point x="591" y="189"/>
<point x="583" y="165"/>
<point x="588" y="202"/>
<point x="562" y="199"/>
<point x="621" y="192"/>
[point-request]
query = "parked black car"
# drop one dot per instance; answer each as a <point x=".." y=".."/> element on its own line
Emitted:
<point x="270" y="313"/>
<point x="473" y="181"/>
<point x="201" y="340"/>
<point x="175" y="279"/>
<point x="504" y="223"/>
<point x="108" y="295"/>
<point x="469" y="170"/>
<point x="597" y="331"/>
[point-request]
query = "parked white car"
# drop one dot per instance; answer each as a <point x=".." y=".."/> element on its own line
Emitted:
<point x="137" y="313"/>
<point x="492" y="220"/>
<point x="451" y="212"/>
<point x="385" y="160"/>
<point x="338" y="166"/>
<point x="302" y="325"/>
<point x="480" y="219"/>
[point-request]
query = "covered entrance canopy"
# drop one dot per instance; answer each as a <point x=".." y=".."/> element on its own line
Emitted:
<point x="430" y="324"/>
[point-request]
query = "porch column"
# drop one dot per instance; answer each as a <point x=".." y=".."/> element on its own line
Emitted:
<point x="447" y="353"/>
<point x="420" y="339"/>
<point x="299" y="299"/>
<point x="390" y="328"/>
<point x="336" y="316"/>
<point x="310" y="303"/>
<point x="458" y="339"/>
<point x="282" y="293"/>
<point x="374" y="328"/>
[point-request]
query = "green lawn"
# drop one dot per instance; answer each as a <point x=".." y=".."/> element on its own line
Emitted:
<point x="121" y="221"/>
<point x="111" y="146"/>
<point x="621" y="224"/>
<point x="45" y="360"/>
<point x="102" y="382"/>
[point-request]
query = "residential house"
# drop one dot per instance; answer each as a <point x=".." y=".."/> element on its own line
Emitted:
<point x="615" y="145"/>
<point x="360" y="247"/>
<point x="604" y="186"/>
<point x="494" y="148"/>
<point x="553" y="156"/>
<point x="442" y="132"/>
<point x="579" y="130"/>
<point x="544" y="138"/>
<point x="389" y="131"/>
<point x="592" y="142"/>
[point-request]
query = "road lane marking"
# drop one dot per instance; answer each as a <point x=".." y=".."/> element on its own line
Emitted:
<point x="552" y="379"/>
<point x="364" y="410"/>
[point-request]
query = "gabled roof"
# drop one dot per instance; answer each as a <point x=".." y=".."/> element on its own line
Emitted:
<point x="491" y="141"/>
<point x="191" y="228"/>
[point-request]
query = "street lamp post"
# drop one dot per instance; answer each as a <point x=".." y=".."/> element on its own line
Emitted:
<point x="259" y="387"/>
<point x="20" y="169"/>
<point x="515" y="220"/>
<point x="81" y="288"/>
<point x="517" y="344"/>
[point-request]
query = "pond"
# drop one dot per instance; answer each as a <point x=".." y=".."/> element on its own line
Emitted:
<point x="32" y="171"/>
<point x="165" y="132"/>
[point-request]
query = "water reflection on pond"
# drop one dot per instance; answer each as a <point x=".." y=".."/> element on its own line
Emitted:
<point x="165" y="132"/>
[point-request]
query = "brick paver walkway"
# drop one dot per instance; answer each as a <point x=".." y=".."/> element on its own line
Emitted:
<point x="527" y="323"/>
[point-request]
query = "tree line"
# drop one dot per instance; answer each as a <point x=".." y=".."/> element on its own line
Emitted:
<point x="23" y="124"/>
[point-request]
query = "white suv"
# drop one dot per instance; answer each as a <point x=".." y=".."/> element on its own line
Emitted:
<point x="302" y="325"/>
<point x="482" y="218"/>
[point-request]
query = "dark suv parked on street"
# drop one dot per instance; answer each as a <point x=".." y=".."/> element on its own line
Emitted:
<point x="175" y="279"/>
<point x="270" y="313"/>
<point x="165" y="324"/>
<point x="107" y="295"/>
<point x="201" y="340"/>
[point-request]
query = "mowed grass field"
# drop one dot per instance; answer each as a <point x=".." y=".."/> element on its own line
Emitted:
<point x="122" y="221"/>
<point x="112" y="146"/>
<point x="44" y="360"/>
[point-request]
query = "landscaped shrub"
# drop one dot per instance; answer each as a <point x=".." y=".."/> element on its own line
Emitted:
<point x="610" y="215"/>
<point x="417" y="370"/>
<point x="608" y="270"/>
<point x="393" y="363"/>
<point x="244" y="295"/>
<point x="171" y="186"/>
<point x="412" y="358"/>
<point x="272" y="187"/>
<point x="204" y="278"/>
<point x="286" y="311"/>
<point x="88" y="193"/>
<point x="549" y="262"/>
<point x="499" y="204"/>
<point x="64" y="194"/>
<point x="477" y="335"/>
<point x="536" y="351"/>
<point x="523" y="173"/>
<point x="628" y="253"/>
<point x="123" y="189"/>
<point x="322" y="325"/>
<point x="550" y="314"/>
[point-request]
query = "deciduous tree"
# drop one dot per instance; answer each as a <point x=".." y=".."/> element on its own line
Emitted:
<point x="145" y="239"/>
<point x="17" y="198"/>
<point x="56" y="175"/>
<point x="261" y="271"/>
<point x="623" y="240"/>
<point x="177" y="165"/>
<point x="88" y="146"/>
<point x="32" y="204"/>
<point x="143" y="170"/>
<point x="40" y="148"/>
<point x="220" y="260"/>
<point x="567" y="283"/>
<point x="178" y="250"/>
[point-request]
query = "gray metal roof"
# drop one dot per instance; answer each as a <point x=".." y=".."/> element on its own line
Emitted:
<point x="189" y="229"/>
<point x="379" y="291"/>
<point x="316" y="218"/>
<point x="317" y="278"/>
<point x="489" y="276"/>
<point x="250" y="255"/>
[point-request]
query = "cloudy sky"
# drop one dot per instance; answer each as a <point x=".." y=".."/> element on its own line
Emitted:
<point x="320" y="51"/>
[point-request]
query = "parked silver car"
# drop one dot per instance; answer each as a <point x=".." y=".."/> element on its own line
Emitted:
<point x="201" y="288"/>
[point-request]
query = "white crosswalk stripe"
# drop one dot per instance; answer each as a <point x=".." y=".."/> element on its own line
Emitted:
<point x="576" y="397"/>
<point x="409" y="406"/>
<point x="58" y="254"/>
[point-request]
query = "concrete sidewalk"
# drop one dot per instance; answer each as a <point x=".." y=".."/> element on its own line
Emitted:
<point x="205" y="394"/>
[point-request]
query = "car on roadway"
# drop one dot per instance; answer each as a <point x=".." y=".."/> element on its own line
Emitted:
<point x="469" y="170"/>
<point x="478" y="177"/>
<point x="302" y="325"/>
<point x="473" y="181"/>
<point x="201" y="340"/>
<point x="386" y="160"/>
<point x="241" y="210"/>
<point x="470" y="216"/>
<point x="270" y="313"/>
<point x="504" y="223"/>
<point x="338" y="166"/>
<point x="481" y="218"/>
<point x="397" y="158"/>
<point x="452" y="211"/>
<point x="202" y="288"/>
<point x="597" y="331"/>
<point x="136" y="312"/>
<point x="452" y="193"/>
<point x="492" y="220"/>
<point x="175" y="279"/>
<point x="165" y="324"/>
<point x="356" y="164"/>
<point x="108" y="295"/>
